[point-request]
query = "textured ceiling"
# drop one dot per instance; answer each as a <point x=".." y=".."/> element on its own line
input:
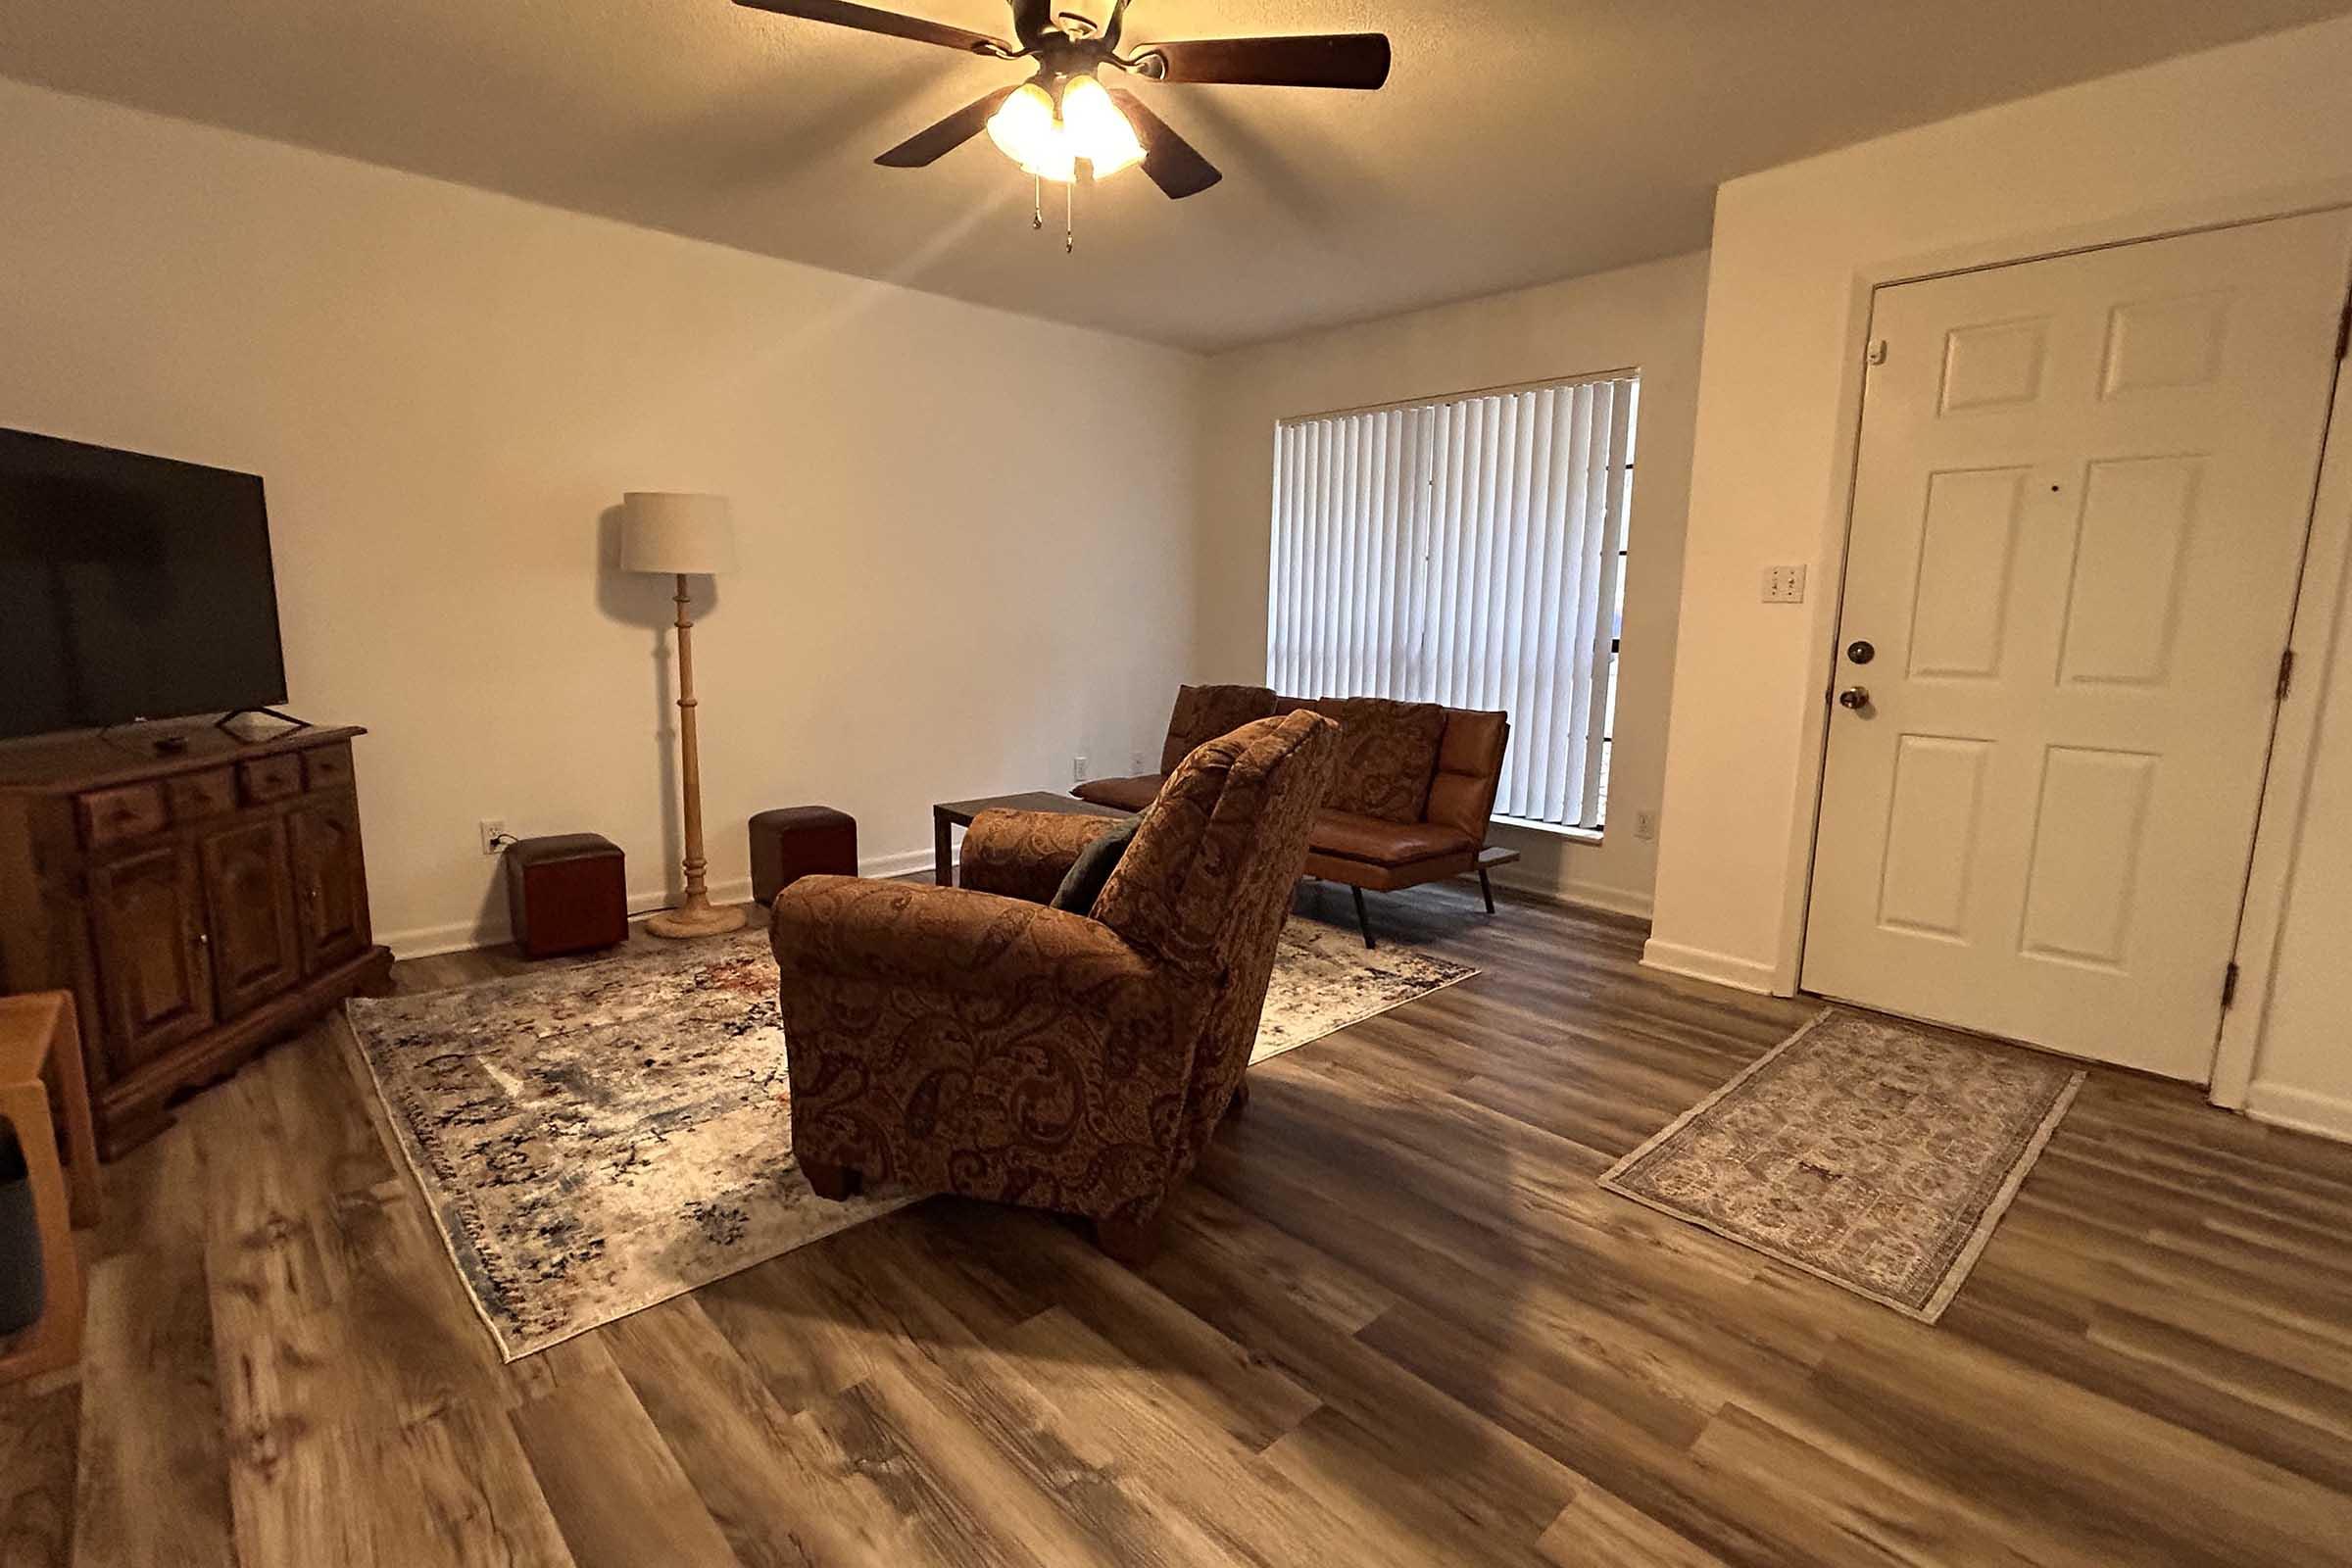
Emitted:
<point x="1518" y="141"/>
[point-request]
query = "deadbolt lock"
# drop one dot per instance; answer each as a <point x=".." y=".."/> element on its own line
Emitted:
<point x="1861" y="652"/>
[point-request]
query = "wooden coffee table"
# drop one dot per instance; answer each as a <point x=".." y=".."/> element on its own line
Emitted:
<point x="952" y="815"/>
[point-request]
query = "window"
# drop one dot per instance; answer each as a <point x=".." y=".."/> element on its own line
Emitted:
<point x="1468" y="550"/>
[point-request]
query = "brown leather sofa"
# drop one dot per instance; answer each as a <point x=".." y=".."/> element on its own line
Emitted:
<point x="1413" y="801"/>
<point x="972" y="1040"/>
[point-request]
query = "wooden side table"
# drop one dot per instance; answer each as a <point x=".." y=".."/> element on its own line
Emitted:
<point x="36" y="1032"/>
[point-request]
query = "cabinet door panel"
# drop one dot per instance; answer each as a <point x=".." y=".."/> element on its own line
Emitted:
<point x="249" y="905"/>
<point x="146" y="911"/>
<point x="330" y="880"/>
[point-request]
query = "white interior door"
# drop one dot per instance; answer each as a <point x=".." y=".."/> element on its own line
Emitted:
<point x="2079" y="512"/>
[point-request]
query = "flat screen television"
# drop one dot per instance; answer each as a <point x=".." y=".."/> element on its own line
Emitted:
<point x="130" y="587"/>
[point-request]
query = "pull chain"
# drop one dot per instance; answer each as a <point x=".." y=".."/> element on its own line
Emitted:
<point x="1037" y="198"/>
<point x="1070" y="237"/>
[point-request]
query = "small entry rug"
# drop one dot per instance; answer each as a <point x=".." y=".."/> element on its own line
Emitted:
<point x="597" y="1138"/>
<point x="1871" y="1153"/>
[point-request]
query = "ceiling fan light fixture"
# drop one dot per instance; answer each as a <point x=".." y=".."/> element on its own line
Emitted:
<point x="1110" y="128"/>
<point x="1028" y="131"/>
<point x="1095" y="129"/>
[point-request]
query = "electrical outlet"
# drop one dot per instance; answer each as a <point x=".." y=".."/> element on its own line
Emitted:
<point x="1645" y="824"/>
<point x="1785" y="585"/>
<point x="494" y="834"/>
<point x="1078" y="770"/>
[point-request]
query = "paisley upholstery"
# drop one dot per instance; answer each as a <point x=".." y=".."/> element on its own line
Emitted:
<point x="1025" y="855"/>
<point x="963" y="1040"/>
<point x="1388" y="754"/>
<point x="1206" y="712"/>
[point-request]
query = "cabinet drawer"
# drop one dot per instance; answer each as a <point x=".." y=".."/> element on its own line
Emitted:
<point x="197" y="796"/>
<point x="111" y="816"/>
<point x="326" y="768"/>
<point x="271" y="778"/>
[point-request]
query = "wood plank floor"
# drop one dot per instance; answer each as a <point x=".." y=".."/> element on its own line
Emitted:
<point x="1396" y="1324"/>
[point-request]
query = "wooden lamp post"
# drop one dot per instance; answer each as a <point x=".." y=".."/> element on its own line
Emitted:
<point x="684" y="536"/>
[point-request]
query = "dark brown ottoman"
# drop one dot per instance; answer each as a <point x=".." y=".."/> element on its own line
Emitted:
<point x="567" y="894"/>
<point x="801" y="841"/>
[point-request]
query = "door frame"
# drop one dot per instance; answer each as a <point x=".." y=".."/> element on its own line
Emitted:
<point x="2320" y="597"/>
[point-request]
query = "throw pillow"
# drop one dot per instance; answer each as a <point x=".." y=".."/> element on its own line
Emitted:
<point x="1083" y="883"/>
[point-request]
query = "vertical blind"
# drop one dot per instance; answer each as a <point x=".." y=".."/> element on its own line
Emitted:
<point x="1466" y="551"/>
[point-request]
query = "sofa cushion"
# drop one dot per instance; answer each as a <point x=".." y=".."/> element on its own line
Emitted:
<point x="1083" y="883"/>
<point x="1352" y="836"/>
<point x="1206" y="712"/>
<point x="1127" y="794"/>
<point x="1388" y="754"/>
<point x="1469" y="769"/>
<point x="1374" y="877"/>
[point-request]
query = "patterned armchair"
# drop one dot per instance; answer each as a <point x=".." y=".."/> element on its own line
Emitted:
<point x="971" y="1040"/>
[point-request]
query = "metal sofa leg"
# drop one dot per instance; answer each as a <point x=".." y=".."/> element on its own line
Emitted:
<point x="1361" y="918"/>
<point x="1487" y="888"/>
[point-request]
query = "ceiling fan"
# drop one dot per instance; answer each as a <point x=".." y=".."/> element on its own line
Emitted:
<point x="1064" y="116"/>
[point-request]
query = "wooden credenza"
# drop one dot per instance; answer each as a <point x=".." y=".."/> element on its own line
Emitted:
<point x="198" y="905"/>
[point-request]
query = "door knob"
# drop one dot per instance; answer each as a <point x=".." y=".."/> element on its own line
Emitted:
<point x="1856" y="698"/>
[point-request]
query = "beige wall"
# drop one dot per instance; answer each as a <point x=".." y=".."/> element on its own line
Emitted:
<point x="447" y="390"/>
<point x="2244" y="132"/>
<point x="1650" y="317"/>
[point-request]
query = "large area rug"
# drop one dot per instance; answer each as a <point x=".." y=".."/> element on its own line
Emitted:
<point x="597" y="1138"/>
<point x="1873" y="1154"/>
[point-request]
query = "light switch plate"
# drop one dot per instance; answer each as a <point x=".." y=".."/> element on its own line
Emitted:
<point x="1785" y="585"/>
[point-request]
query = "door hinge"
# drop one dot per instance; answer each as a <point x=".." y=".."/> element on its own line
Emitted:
<point x="2229" y="985"/>
<point x="2286" y="673"/>
<point x="1877" y="351"/>
<point x="2344" y="331"/>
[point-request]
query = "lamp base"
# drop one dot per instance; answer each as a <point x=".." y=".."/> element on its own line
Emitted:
<point x="696" y="918"/>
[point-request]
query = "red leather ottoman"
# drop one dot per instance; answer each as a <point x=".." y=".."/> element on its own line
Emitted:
<point x="567" y="894"/>
<point x="801" y="841"/>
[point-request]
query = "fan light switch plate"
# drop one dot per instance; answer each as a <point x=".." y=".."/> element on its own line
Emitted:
<point x="1783" y="585"/>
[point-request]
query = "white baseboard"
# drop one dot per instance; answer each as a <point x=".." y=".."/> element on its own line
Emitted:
<point x="1578" y="894"/>
<point x="464" y="936"/>
<point x="885" y="866"/>
<point x="2300" y="1111"/>
<point x="1698" y="963"/>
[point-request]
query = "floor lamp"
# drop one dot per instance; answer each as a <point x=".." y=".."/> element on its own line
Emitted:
<point x="683" y="536"/>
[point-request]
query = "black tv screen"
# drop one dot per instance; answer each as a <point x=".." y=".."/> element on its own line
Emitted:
<point x="130" y="587"/>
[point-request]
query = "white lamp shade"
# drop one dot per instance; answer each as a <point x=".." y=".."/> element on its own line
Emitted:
<point x="674" y="535"/>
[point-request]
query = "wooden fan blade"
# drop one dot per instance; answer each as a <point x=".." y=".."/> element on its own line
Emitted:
<point x="1175" y="165"/>
<point x="1357" y="60"/>
<point x="865" y="18"/>
<point x="927" y="147"/>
